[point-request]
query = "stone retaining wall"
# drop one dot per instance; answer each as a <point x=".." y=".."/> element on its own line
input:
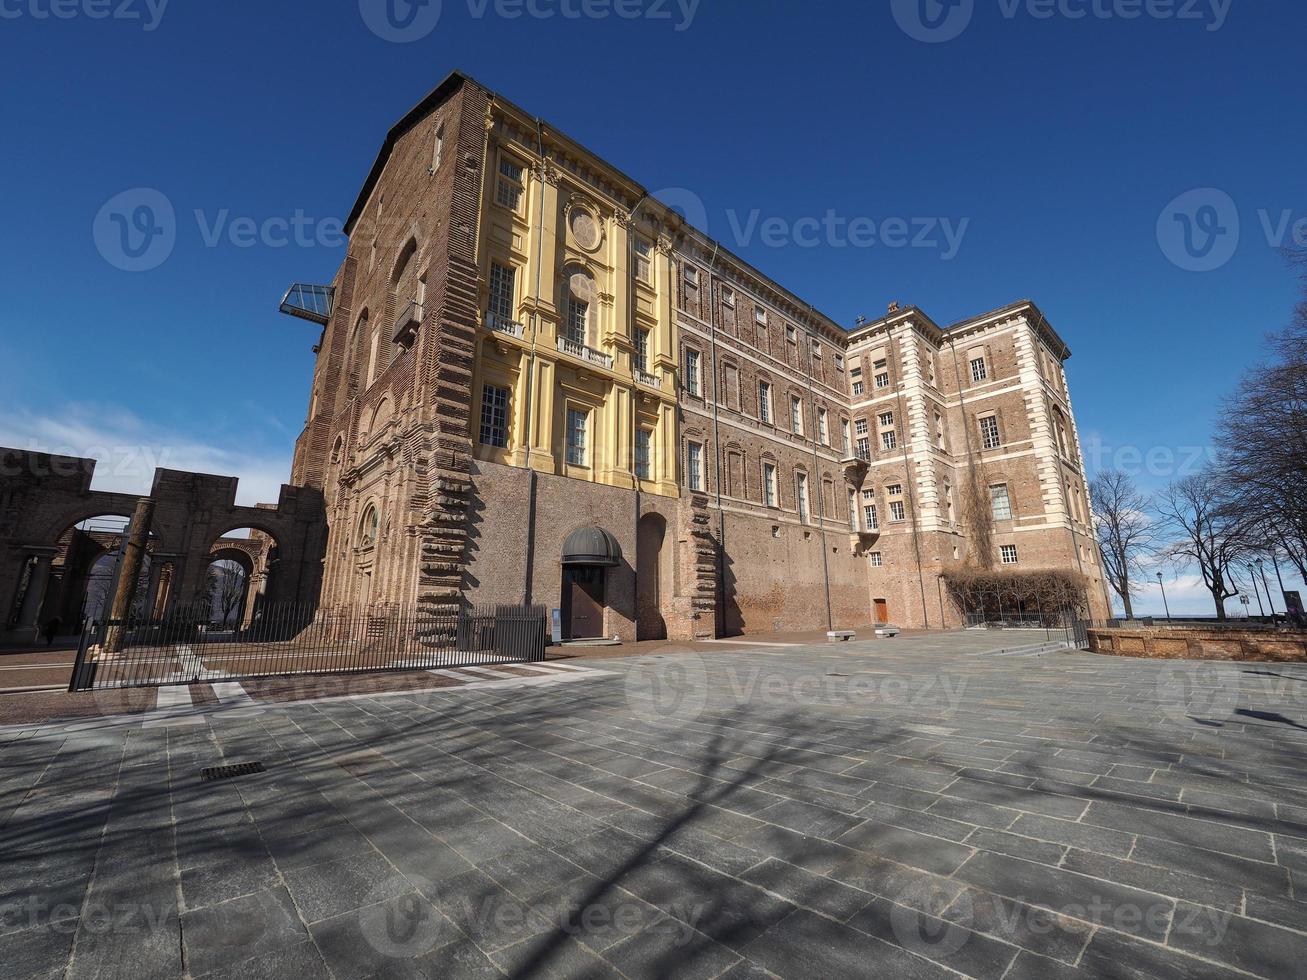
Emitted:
<point x="1201" y="644"/>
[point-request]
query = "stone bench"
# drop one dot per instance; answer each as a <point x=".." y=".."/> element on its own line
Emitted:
<point x="841" y="636"/>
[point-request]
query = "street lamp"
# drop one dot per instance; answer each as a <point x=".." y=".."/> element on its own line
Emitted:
<point x="1164" y="602"/>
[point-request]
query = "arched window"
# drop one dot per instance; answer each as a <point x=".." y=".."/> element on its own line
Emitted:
<point x="368" y="527"/>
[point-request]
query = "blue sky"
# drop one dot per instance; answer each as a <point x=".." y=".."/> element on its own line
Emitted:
<point x="1051" y="149"/>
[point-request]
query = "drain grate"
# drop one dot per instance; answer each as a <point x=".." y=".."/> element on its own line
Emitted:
<point x="228" y="772"/>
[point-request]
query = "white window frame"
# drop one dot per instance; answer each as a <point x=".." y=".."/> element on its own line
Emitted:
<point x="644" y="438"/>
<point x="990" y="436"/>
<point x="694" y="465"/>
<point x="495" y="400"/>
<point x="801" y="496"/>
<point x="769" y="485"/>
<point x="693" y="376"/>
<point x="796" y="415"/>
<point x="876" y="559"/>
<point x="503" y="291"/>
<point x="999" y="491"/>
<point x="764" y="402"/>
<point x="1008" y="554"/>
<point x="577" y="449"/>
<point x="979" y="370"/>
<point x="897" y="512"/>
<point x="509" y="186"/>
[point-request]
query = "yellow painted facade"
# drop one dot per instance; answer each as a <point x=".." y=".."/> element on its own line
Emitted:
<point x="576" y="292"/>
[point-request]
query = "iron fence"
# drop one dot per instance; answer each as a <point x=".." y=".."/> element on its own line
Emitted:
<point x="287" y="639"/>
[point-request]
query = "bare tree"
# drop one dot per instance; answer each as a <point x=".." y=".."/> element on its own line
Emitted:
<point x="1262" y="435"/>
<point x="1124" y="529"/>
<point x="1207" y="529"/>
<point x="226" y="587"/>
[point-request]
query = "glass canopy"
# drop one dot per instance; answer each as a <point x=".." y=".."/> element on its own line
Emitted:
<point x="309" y="302"/>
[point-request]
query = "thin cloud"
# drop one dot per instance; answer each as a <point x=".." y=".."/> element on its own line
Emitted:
<point x="127" y="450"/>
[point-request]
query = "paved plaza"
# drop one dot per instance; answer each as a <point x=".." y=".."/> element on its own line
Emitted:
<point x="928" y="806"/>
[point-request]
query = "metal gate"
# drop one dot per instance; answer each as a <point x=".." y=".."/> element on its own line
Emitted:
<point x="290" y="639"/>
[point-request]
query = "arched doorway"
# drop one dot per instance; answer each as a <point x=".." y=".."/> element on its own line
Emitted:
<point x="588" y="554"/>
<point x="240" y="578"/>
<point x="74" y="579"/>
<point x="651" y="564"/>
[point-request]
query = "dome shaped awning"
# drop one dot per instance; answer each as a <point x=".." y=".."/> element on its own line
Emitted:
<point x="591" y="546"/>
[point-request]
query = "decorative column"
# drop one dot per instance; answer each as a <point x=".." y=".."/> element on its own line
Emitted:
<point x="133" y="557"/>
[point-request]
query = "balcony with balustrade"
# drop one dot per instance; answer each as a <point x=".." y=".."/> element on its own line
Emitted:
<point x="496" y="323"/>
<point x="572" y="348"/>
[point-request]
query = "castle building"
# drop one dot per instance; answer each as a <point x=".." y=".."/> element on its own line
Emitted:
<point x="536" y="383"/>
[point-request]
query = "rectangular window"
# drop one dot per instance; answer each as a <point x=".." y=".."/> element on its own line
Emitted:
<point x="760" y="317"/>
<point x="989" y="432"/>
<point x="855" y="371"/>
<point x="801" y="495"/>
<point x="578" y="422"/>
<point x="643" y="260"/>
<point x="691" y="277"/>
<point x="692" y="384"/>
<point x="888" y="440"/>
<point x="791" y="334"/>
<point x="839" y="362"/>
<point x="508" y="192"/>
<point x="886" y="420"/>
<point x="1008" y="552"/>
<point x="853" y="511"/>
<point x="796" y="416"/>
<point x="439" y="152"/>
<point x="694" y="465"/>
<point x="895" y="490"/>
<point x="816" y="351"/>
<point x="978" y="370"/>
<point x="644" y="454"/>
<point x="882" y="379"/>
<point x="876" y="558"/>
<point x="896" y="512"/>
<point x="864" y="449"/>
<point x="858" y="387"/>
<point x="769" y="484"/>
<point x="860" y="425"/>
<point x="578" y="313"/>
<point x="823" y="427"/>
<point x="728" y="297"/>
<point x="494" y="416"/>
<point x="1001" y="501"/>
<point x="847" y="441"/>
<point x="869" y="514"/>
<point x="764" y="402"/>
<point x="642" y="350"/>
<point x="502" y="278"/>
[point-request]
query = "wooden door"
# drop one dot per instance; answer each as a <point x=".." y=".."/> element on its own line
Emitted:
<point x="583" y="602"/>
<point x="882" y="611"/>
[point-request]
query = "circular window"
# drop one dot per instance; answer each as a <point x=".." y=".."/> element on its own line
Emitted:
<point x="585" y="229"/>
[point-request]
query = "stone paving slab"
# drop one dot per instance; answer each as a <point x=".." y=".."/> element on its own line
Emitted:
<point x="921" y="807"/>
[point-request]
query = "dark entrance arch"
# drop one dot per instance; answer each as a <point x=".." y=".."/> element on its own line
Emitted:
<point x="588" y="553"/>
<point x="651" y="569"/>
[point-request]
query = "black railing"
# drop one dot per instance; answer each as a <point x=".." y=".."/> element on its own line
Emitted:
<point x="292" y="638"/>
